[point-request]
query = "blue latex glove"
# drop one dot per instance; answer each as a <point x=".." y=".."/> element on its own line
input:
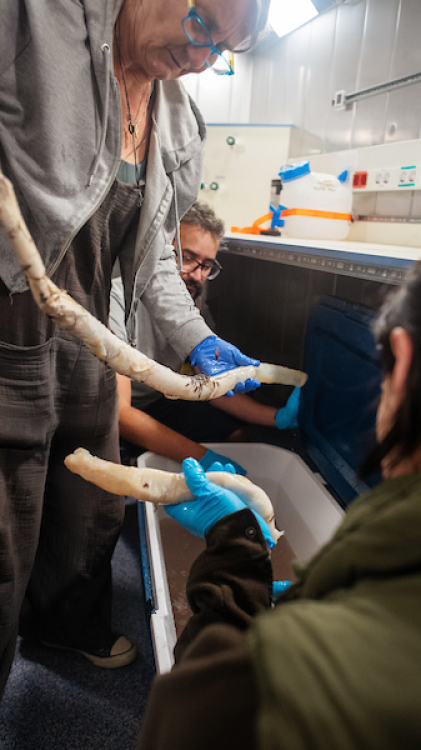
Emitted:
<point x="287" y="417"/>
<point x="279" y="586"/>
<point x="210" y="457"/>
<point x="204" y="357"/>
<point x="211" y="505"/>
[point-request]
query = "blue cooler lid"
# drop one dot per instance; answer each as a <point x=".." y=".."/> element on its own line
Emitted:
<point x="338" y="403"/>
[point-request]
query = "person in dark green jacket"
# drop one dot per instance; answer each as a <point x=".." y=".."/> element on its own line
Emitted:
<point x="335" y="664"/>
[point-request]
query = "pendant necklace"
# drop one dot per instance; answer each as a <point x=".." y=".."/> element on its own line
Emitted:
<point x="133" y="126"/>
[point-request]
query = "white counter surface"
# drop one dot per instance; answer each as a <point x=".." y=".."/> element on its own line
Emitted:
<point x="364" y="260"/>
<point x="354" y="248"/>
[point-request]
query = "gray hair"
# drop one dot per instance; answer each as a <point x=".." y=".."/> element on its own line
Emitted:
<point x="202" y="215"/>
<point x="261" y="27"/>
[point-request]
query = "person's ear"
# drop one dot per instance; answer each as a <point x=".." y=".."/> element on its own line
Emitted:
<point x="403" y="350"/>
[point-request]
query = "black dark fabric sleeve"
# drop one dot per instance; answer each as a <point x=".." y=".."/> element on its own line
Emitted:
<point x="209" y="698"/>
<point x="231" y="581"/>
<point x="208" y="701"/>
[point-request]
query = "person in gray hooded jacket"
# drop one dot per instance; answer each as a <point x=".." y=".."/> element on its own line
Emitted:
<point x="73" y="106"/>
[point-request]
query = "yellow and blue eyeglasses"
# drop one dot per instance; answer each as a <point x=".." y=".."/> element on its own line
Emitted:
<point x="199" y="35"/>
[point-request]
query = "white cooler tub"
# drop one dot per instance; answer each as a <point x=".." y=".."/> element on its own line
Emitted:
<point x="336" y="420"/>
<point x="303" y="508"/>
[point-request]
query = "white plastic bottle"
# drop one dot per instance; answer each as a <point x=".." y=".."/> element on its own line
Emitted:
<point x="313" y="205"/>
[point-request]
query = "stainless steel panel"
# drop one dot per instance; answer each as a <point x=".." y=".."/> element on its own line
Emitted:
<point x="339" y="124"/>
<point x="369" y="121"/>
<point x="364" y="204"/>
<point x="394" y="204"/>
<point x="378" y="43"/>
<point x="240" y="102"/>
<point x="318" y="83"/>
<point x="223" y="98"/>
<point x="350" y="30"/>
<point x="270" y="81"/>
<point x="214" y="94"/>
<point x="403" y="114"/>
<point x="407" y="56"/>
<point x="374" y="67"/>
<point x="304" y="143"/>
<point x="345" y="65"/>
<point x="298" y="51"/>
<point x="416" y="204"/>
<point x="269" y="87"/>
<point x="348" y="47"/>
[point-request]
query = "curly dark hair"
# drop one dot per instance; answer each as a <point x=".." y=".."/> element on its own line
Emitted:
<point x="202" y="215"/>
<point x="401" y="308"/>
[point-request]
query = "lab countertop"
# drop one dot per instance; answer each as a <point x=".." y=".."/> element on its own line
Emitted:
<point x="359" y="259"/>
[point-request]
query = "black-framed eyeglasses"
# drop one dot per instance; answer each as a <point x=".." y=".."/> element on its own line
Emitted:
<point x="209" y="268"/>
<point x="199" y="35"/>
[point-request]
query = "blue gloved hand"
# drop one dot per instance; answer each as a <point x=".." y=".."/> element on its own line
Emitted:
<point x="279" y="586"/>
<point x="211" y="505"/>
<point x="204" y="357"/>
<point x="210" y="457"/>
<point x="287" y="417"/>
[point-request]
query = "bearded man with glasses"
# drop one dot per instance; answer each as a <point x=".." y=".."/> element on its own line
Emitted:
<point x="178" y="429"/>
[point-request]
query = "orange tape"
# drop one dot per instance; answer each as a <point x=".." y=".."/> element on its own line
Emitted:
<point x="254" y="229"/>
<point x="317" y="214"/>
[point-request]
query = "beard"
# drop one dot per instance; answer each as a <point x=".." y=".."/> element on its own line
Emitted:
<point x="195" y="288"/>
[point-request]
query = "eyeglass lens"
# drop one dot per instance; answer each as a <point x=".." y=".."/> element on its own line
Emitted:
<point x="198" y="34"/>
<point x="197" y="31"/>
<point x="209" y="269"/>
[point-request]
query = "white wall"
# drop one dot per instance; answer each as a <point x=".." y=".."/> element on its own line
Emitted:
<point x="292" y="82"/>
<point x="244" y="171"/>
<point x="350" y="47"/>
<point x="224" y="99"/>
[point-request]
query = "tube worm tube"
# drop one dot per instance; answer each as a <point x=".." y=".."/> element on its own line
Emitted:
<point x="164" y="487"/>
<point x="124" y="359"/>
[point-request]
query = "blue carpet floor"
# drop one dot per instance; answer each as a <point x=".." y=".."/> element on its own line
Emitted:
<point x="56" y="700"/>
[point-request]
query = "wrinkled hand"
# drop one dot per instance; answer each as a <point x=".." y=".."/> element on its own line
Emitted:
<point x="212" y="502"/>
<point x="287" y="417"/>
<point x="210" y="457"/>
<point x="214" y="356"/>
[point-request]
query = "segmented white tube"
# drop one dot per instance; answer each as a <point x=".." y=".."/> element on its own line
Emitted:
<point x="124" y="359"/>
<point x="165" y="487"/>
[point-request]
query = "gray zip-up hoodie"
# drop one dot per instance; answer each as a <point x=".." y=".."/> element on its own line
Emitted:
<point x="60" y="139"/>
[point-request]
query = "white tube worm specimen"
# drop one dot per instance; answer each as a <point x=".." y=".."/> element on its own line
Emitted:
<point x="165" y="487"/>
<point x="71" y="316"/>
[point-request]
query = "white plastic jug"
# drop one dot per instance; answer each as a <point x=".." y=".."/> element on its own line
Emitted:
<point x="313" y="205"/>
